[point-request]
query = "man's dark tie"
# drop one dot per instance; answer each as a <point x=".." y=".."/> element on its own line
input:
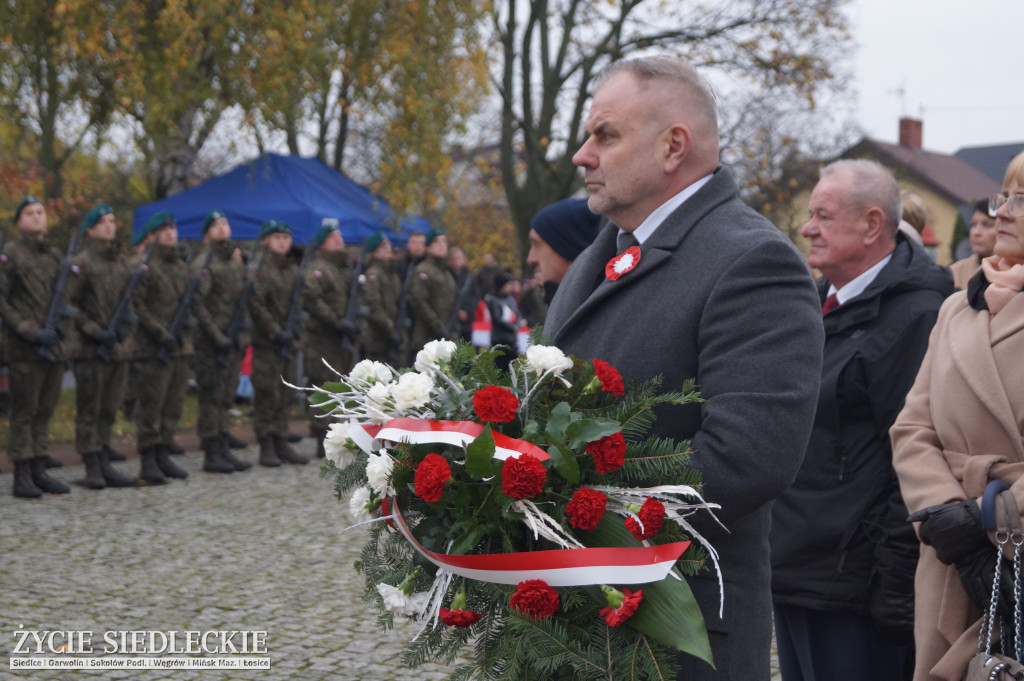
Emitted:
<point x="831" y="303"/>
<point x="625" y="240"/>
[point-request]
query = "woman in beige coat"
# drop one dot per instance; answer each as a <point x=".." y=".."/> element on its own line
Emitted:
<point x="961" y="428"/>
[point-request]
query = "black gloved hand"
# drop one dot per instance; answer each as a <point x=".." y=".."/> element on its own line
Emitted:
<point x="954" y="530"/>
<point x="169" y="343"/>
<point x="284" y="338"/>
<point x="350" y="329"/>
<point x="977" y="575"/>
<point x="47" y="337"/>
<point x="106" y="337"/>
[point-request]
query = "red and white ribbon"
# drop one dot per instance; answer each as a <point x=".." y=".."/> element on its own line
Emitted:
<point x="426" y="431"/>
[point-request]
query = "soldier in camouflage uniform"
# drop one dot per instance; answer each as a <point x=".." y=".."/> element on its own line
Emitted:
<point x="101" y="275"/>
<point x="328" y="333"/>
<point x="433" y="292"/>
<point x="28" y="273"/>
<point x="268" y="307"/>
<point x="379" y="289"/>
<point x="217" y="358"/>
<point x="162" y="358"/>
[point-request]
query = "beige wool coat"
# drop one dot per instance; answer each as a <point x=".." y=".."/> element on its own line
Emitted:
<point x="960" y="428"/>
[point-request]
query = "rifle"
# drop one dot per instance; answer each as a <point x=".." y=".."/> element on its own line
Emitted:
<point x="124" y="303"/>
<point x="291" y="321"/>
<point x="353" y="307"/>
<point x="238" y="315"/>
<point x="182" y="313"/>
<point x="57" y="304"/>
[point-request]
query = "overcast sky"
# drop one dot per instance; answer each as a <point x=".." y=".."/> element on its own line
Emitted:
<point x="959" y="64"/>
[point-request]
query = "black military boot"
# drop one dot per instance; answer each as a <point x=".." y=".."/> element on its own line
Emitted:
<point x="167" y="466"/>
<point x="93" y="474"/>
<point x="23" y="485"/>
<point x="285" y="451"/>
<point x="112" y="454"/>
<point x="175" y="448"/>
<point x="112" y="476"/>
<point x="214" y="461"/>
<point x="229" y="456"/>
<point x="268" y="453"/>
<point x="149" y="471"/>
<point x="44" y="482"/>
<point x="293" y="437"/>
<point x="234" y="442"/>
<point x="319" y="434"/>
<point x="52" y="462"/>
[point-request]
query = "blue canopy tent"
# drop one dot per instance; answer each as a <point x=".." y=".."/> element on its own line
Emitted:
<point x="299" y="191"/>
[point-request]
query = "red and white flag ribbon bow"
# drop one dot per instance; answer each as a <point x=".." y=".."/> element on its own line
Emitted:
<point x="559" y="567"/>
<point x="622" y="263"/>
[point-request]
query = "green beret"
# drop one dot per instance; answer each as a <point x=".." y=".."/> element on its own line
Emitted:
<point x="94" y="215"/>
<point x="321" y="234"/>
<point x="211" y="217"/>
<point x="24" y="202"/>
<point x="273" y="226"/>
<point x="434" y="233"/>
<point x="156" y="221"/>
<point x="373" y="241"/>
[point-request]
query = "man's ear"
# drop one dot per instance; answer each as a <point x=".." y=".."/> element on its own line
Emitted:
<point x="875" y="227"/>
<point x="676" y="141"/>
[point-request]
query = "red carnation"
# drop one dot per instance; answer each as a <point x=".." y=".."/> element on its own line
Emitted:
<point x="609" y="452"/>
<point x="523" y="476"/>
<point x="651" y="513"/>
<point x="535" y="598"/>
<point x="430" y="477"/>
<point x="611" y="379"/>
<point x="459" y="618"/>
<point x="613" y="617"/>
<point x="586" y="508"/>
<point x="494" y="403"/>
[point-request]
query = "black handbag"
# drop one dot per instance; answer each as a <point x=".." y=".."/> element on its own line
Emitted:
<point x="999" y="512"/>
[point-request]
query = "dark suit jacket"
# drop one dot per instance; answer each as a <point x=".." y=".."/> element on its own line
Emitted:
<point x="719" y="295"/>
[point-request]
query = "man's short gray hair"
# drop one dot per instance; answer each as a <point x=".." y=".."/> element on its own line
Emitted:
<point x="871" y="186"/>
<point x="663" y="67"/>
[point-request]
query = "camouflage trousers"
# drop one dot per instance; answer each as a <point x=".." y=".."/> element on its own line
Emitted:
<point x="99" y="391"/>
<point x="35" y="390"/>
<point x="272" y="399"/>
<point x="162" y="391"/>
<point x="217" y="385"/>
<point x="315" y="352"/>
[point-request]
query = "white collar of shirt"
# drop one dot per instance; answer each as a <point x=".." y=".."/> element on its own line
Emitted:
<point x="861" y="282"/>
<point x="647" y="227"/>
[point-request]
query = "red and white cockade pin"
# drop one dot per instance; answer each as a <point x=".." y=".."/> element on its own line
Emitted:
<point x="622" y="263"/>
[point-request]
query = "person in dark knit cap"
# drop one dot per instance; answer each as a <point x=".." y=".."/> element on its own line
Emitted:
<point x="558" y="234"/>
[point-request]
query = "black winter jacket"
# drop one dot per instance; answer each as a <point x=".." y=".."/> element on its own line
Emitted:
<point x="839" y="534"/>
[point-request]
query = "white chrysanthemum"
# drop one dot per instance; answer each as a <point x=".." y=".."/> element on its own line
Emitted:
<point x="433" y="353"/>
<point x="400" y="604"/>
<point x="413" y="390"/>
<point x="378" y="473"/>
<point x="357" y="505"/>
<point x="542" y="358"/>
<point x="369" y="369"/>
<point x="380" y="392"/>
<point x="337" y="445"/>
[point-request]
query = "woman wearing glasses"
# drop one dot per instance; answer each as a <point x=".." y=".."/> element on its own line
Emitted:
<point x="960" y="429"/>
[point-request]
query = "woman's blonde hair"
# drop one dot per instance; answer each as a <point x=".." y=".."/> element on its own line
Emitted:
<point x="1015" y="171"/>
<point x="914" y="210"/>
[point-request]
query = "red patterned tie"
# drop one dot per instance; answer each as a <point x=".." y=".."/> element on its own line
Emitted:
<point x="831" y="303"/>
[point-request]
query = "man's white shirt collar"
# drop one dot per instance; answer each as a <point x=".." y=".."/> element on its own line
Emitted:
<point x="647" y="227"/>
<point x="856" y="287"/>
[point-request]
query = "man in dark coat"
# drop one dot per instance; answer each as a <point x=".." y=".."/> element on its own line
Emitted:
<point x="713" y="292"/>
<point x="843" y="553"/>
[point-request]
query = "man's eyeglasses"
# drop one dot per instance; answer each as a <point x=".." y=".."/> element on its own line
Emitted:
<point x="1014" y="204"/>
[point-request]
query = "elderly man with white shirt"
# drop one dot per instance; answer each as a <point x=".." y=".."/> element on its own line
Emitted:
<point x="843" y="554"/>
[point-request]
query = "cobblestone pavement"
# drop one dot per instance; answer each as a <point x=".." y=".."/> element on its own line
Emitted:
<point x="258" y="550"/>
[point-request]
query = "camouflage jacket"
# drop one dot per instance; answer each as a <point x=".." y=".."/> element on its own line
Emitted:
<point x="220" y="288"/>
<point x="325" y="294"/>
<point x="99" y="277"/>
<point x="28" y="272"/>
<point x="431" y="298"/>
<point x="157" y="299"/>
<point x="379" y="290"/>
<point x="271" y="296"/>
